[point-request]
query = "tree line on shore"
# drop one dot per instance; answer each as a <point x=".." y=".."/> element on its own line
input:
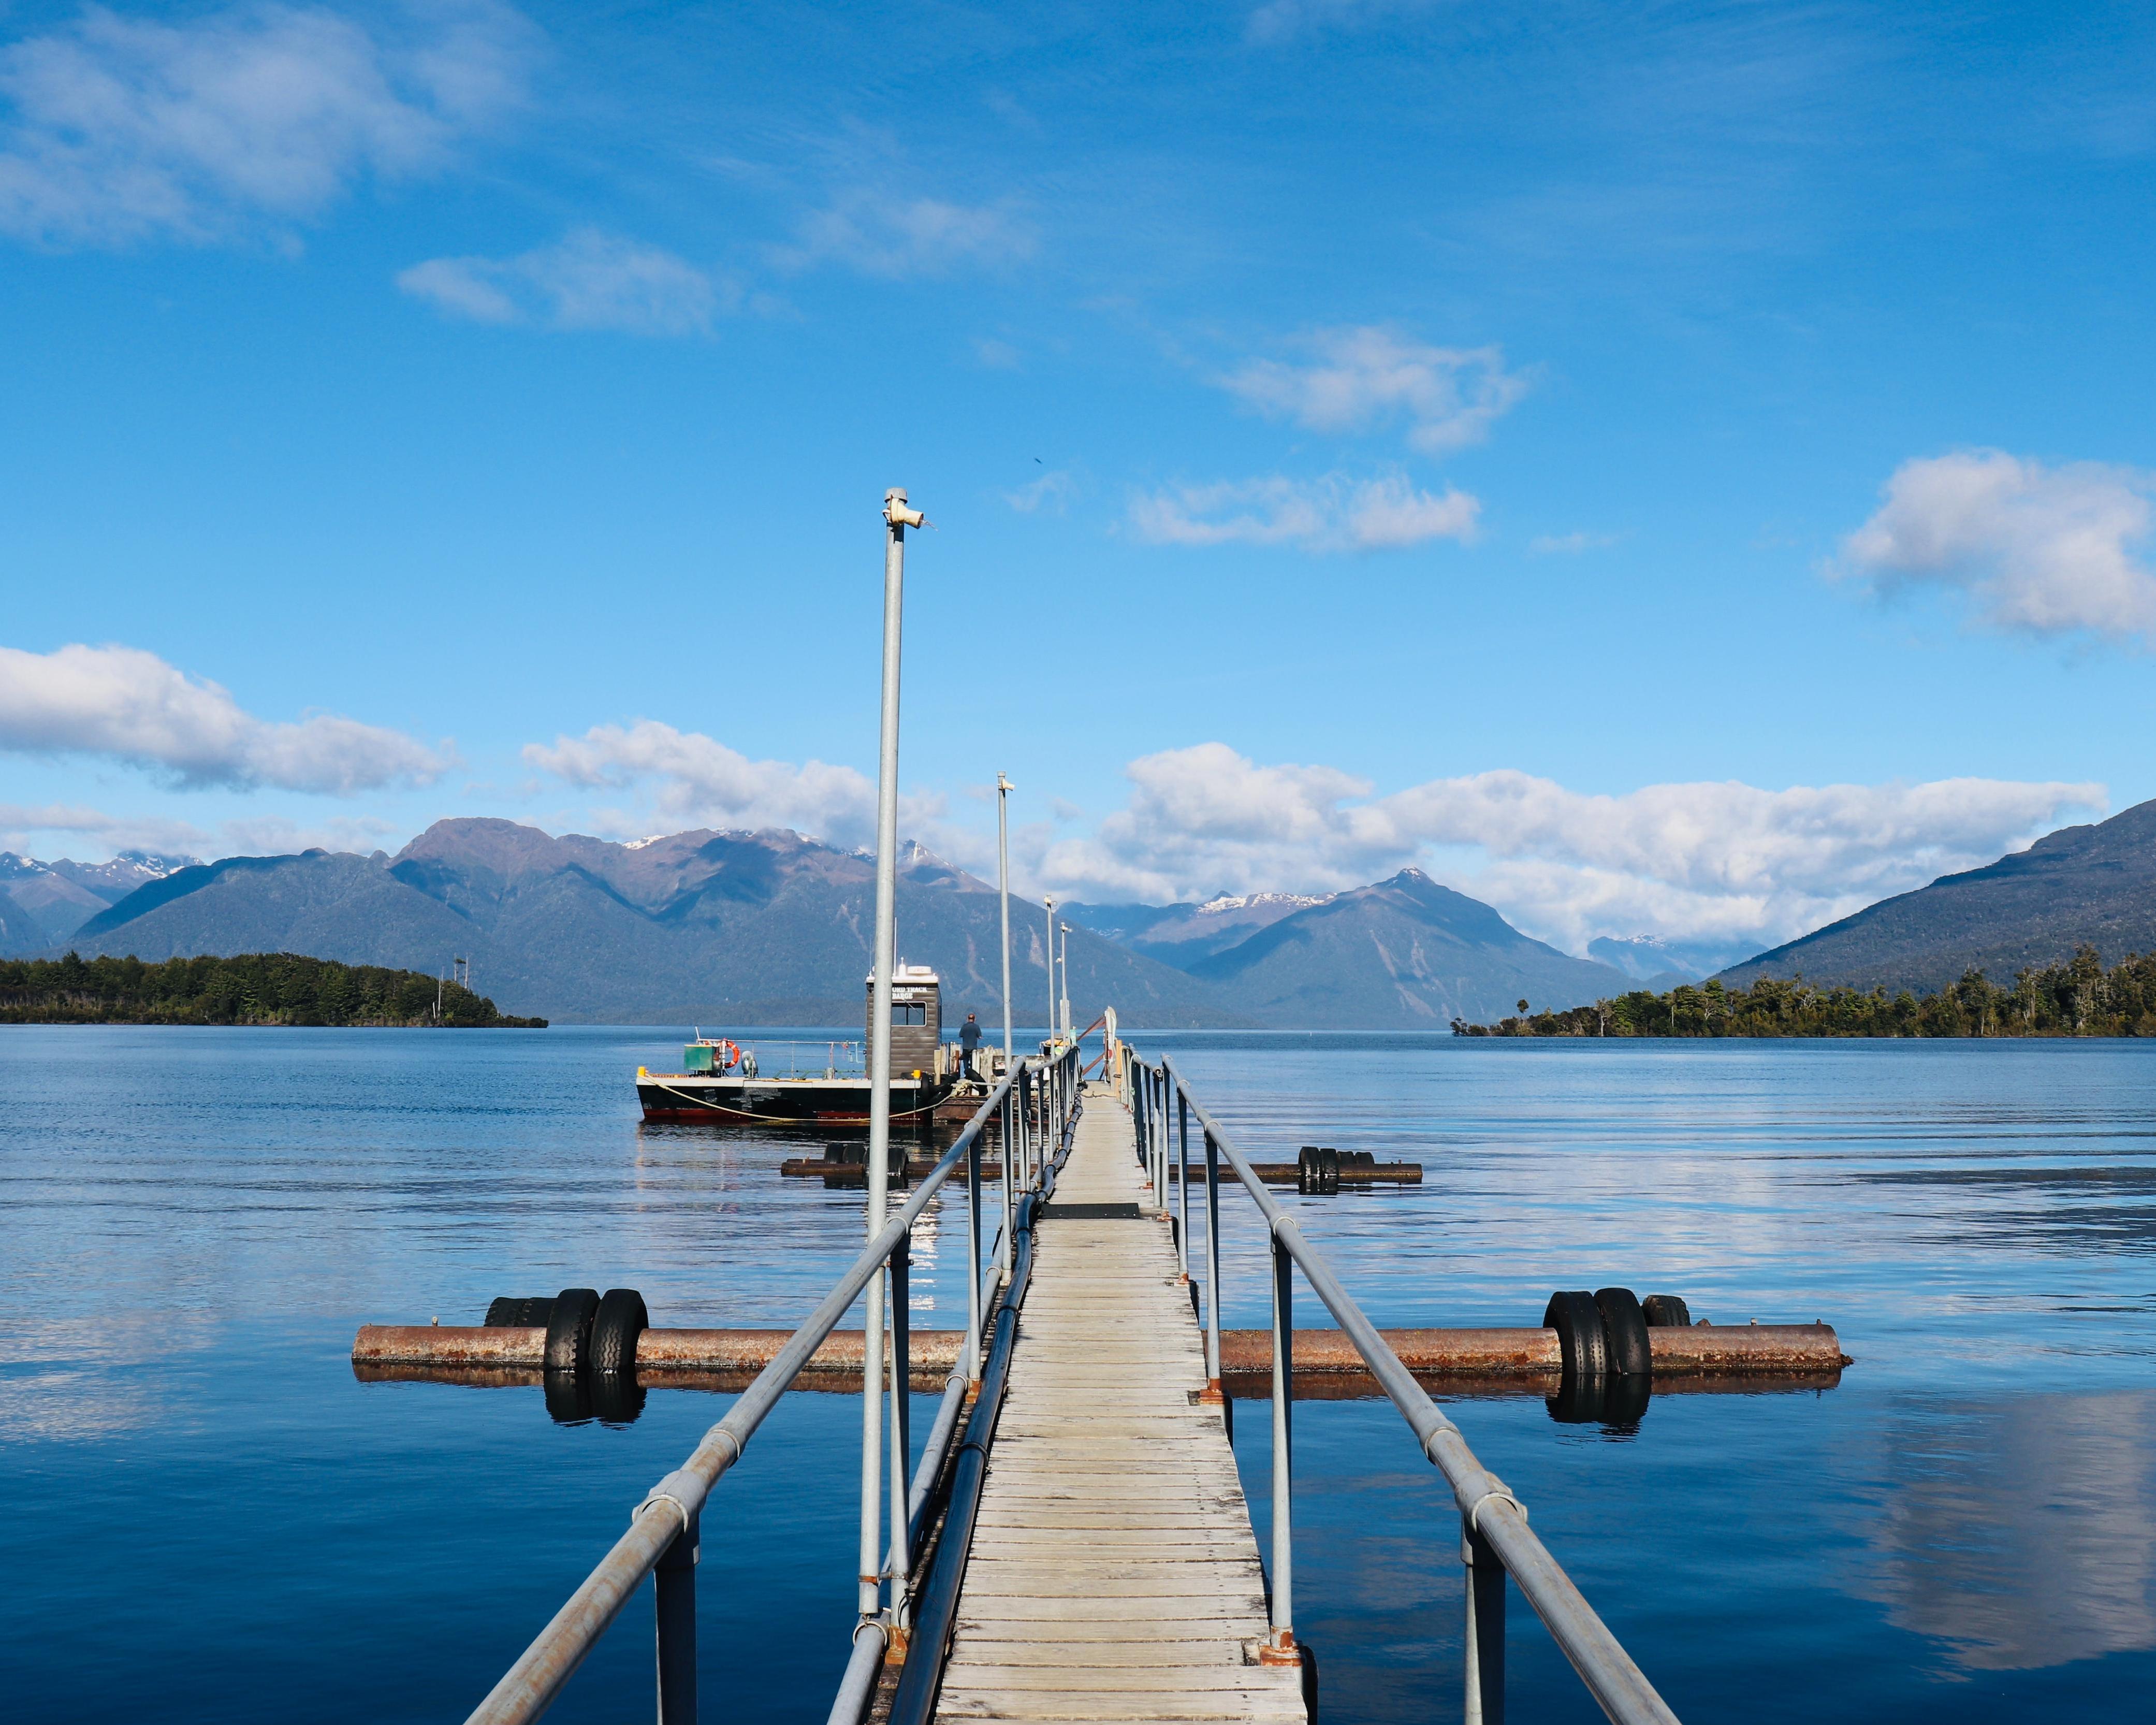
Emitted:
<point x="2079" y="998"/>
<point x="252" y="989"/>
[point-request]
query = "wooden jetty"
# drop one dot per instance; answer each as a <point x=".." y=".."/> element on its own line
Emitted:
<point x="1075" y="1544"/>
<point x="1114" y="1574"/>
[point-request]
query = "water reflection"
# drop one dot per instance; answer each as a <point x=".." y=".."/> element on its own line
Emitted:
<point x="2021" y="1535"/>
<point x="2071" y="1207"/>
<point x="1617" y="1401"/>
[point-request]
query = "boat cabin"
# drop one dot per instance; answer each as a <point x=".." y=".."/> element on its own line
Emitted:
<point x="917" y="1018"/>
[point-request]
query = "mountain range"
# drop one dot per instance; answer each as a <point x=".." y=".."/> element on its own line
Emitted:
<point x="770" y="927"/>
<point x="2092" y="885"/>
<point x="42" y="903"/>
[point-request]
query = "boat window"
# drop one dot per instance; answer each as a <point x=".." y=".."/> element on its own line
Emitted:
<point x="908" y="1012"/>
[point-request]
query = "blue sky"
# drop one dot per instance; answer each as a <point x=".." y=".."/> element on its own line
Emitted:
<point x="1663" y="468"/>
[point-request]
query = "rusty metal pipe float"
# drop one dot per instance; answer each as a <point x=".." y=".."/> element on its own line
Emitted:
<point x="1709" y="1350"/>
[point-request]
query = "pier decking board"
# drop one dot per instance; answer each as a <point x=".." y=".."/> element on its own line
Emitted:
<point x="1114" y="1576"/>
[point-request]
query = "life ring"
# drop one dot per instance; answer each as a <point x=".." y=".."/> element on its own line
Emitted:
<point x="732" y="1052"/>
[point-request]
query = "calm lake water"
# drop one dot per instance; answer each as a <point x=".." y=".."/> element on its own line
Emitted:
<point x="207" y="1518"/>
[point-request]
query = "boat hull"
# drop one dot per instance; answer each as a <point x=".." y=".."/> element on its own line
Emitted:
<point x="731" y="1100"/>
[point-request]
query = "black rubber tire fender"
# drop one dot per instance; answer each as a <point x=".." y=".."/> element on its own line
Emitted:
<point x="569" y="1328"/>
<point x="510" y="1312"/>
<point x="620" y="1319"/>
<point x="1328" y="1170"/>
<point x="1666" y="1312"/>
<point x="1305" y="1169"/>
<point x="1580" y="1337"/>
<point x="1624" y="1325"/>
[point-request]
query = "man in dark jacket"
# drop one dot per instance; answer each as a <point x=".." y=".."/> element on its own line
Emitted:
<point x="969" y="1044"/>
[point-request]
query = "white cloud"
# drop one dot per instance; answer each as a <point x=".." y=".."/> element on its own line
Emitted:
<point x="701" y="782"/>
<point x="588" y="280"/>
<point x="1363" y="378"/>
<point x="1282" y="20"/>
<point x="1052" y="491"/>
<point x="134" y="707"/>
<point x="1570" y="544"/>
<point x="1685" y="860"/>
<point x="2044" y="550"/>
<point x="1332" y="514"/>
<point x="123" y="129"/>
<point x="39" y="831"/>
<point x="23" y="828"/>
<point x="897" y="238"/>
<point x="273" y="835"/>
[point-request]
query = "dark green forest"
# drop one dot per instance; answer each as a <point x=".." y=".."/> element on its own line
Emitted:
<point x="2078" y="999"/>
<point x="253" y="988"/>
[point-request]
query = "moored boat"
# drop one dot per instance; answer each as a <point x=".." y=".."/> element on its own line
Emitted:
<point x="726" y="1082"/>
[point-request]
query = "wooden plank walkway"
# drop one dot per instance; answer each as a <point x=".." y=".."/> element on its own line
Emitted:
<point x="1114" y="1574"/>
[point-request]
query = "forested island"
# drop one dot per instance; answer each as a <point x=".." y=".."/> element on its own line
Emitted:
<point x="252" y="988"/>
<point x="2078" y="999"/>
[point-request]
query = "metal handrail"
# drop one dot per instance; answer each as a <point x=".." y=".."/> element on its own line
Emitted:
<point x="530" y="1686"/>
<point x="1492" y="1519"/>
<point x="1058" y="1105"/>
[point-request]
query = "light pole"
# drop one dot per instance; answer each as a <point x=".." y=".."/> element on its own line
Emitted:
<point x="1066" y="980"/>
<point x="1048" y="900"/>
<point x="1004" y="788"/>
<point x="897" y="518"/>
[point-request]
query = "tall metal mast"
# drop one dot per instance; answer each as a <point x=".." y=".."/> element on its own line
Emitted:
<point x="1004" y="788"/>
<point x="1048" y="900"/>
<point x="897" y="518"/>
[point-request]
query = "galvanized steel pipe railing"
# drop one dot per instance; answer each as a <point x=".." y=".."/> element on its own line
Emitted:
<point x="1044" y="1141"/>
<point x="914" y="1700"/>
<point x="672" y="1508"/>
<point x="1495" y="1533"/>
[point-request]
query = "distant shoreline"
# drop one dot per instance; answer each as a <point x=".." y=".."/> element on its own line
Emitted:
<point x="2063" y="1002"/>
<point x="257" y="990"/>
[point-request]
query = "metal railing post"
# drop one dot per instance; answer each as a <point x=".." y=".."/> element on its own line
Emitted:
<point x="973" y="1260"/>
<point x="1485" y="1699"/>
<point x="674" y="1602"/>
<point x="1212" y="1269"/>
<point x="1137" y="1120"/>
<point x="1183" y="1182"/>
<point x="901" y="1424"/>
<point x="1011" y="1125"/>
<point x="1152" y="1134"/>
<point x="1156" y="1136"/>
<point x="1160" y="1141"/>
<point x="1282" y="1647"/>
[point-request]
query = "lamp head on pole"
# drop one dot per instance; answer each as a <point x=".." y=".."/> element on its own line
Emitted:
<point x="1003" y="784"/>
<point x="896" y="512"/>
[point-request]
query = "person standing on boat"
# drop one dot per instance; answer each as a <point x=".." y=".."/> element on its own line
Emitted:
<point x="969" y="1043"/>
